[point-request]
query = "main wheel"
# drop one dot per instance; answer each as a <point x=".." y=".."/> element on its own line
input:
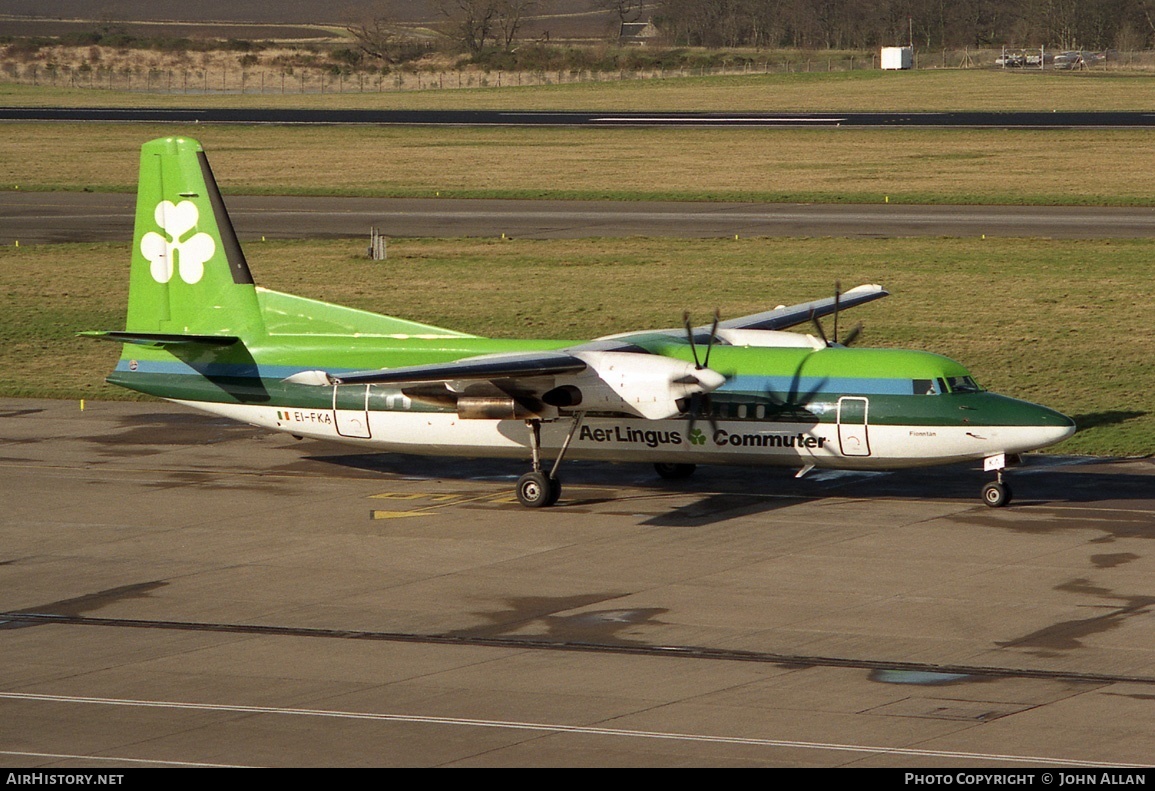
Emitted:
<point x="536" y="490"/>
<point x="996" y="495"/>
<point x="674" y="472"/>
<point x="554" y="491"/>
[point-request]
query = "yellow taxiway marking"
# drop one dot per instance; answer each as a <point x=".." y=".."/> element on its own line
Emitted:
<point x="438" y="501"/>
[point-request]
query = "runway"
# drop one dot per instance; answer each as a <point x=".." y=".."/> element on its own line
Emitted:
<point x="47" y="217"/>
<point x="259" y="115"/>
<point x="179" y="590"/>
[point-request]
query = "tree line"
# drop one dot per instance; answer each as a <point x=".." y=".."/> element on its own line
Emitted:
<point x="928" y="24"/>
<point x="477" y="25"/>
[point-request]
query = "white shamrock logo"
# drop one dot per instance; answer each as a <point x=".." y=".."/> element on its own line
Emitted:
<point x="177" y="220"/>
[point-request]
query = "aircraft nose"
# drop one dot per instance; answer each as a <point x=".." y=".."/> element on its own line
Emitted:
<point x="1065" y="424"/>
<point x="1024" y="426"/>
<point x="1052" y="426"/>
<point x="1050" y="417"/>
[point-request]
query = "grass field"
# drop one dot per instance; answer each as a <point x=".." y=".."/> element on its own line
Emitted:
<point x="1102" y="167"/>
<point x="922" y="90"/>
<point x="1060" y="323"/>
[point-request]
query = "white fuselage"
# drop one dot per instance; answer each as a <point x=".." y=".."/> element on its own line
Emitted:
<point x="732" y="442"/>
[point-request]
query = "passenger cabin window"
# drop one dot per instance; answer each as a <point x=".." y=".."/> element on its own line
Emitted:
<point x="925" y="387"/>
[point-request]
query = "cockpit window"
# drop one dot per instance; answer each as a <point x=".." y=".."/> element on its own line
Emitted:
<point x="963" y="384"/>
<point x="925" y="387"/>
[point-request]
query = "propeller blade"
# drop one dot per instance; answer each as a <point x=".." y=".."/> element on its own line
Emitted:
<point x="852" y="336"/>
<point x="700" y="406"/>
<point x="837" y="297"/>
<point x="713" y="337"/>
<point x="818" y="326"/>
<point x="690" y="337"/>
<point x="694" y="408"/>
<point x="704" y="377"/>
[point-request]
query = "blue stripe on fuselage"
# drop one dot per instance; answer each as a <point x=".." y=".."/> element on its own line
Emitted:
<point x="813" y="385"/>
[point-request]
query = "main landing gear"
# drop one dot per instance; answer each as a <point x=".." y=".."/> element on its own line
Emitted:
<point x="536" y="489"/>
<point x="998" y="493"/>
<point x="674" y="472"/>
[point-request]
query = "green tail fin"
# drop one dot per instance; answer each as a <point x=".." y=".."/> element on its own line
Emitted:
<point x="189" y="275"/>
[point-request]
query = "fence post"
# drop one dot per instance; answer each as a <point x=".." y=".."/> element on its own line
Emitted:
<point x="377" y="250"/>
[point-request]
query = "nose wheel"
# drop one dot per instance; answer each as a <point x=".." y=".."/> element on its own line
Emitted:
<point x="996" y="494"/>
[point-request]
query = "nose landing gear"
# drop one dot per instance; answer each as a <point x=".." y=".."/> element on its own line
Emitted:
<point x="997" y="493"/>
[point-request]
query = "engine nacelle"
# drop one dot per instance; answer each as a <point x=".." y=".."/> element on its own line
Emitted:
<point x="647" y="385"/>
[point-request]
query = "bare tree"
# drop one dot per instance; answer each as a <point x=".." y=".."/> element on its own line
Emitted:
<point x="510" y="16"/>
<point x="626" y="10"/>
<point x="477" y="24"/>
<point x="377" y="39"/>
<point x="471" y="22"/>
<point x="1062" y="18"/>
<point x="380" y="37"/>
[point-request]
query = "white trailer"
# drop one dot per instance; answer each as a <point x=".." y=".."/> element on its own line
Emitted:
<point x="897" y="58"/>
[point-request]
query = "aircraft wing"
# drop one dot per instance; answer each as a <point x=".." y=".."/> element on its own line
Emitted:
<point x="627" y="382"/>
<point x="789" y="316"/>
<point x="613" y="374"/>
<point x="488" y="367"/>
<point x="779" y="318"/>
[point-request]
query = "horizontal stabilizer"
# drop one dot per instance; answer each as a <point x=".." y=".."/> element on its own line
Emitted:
<point x="502" y="366"/>
<point x="161" y="339"/>
<point x="288" y="314"/>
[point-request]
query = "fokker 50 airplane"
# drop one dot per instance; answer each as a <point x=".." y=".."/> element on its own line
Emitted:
<point x="742" y="391"/>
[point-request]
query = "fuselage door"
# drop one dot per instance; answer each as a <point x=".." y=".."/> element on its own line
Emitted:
<point x="351" y="410"/>
<point x="853" y="439"/>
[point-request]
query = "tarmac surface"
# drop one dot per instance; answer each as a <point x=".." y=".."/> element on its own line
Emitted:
<point x="181" y="590"/>
<point x="49" y="217"/>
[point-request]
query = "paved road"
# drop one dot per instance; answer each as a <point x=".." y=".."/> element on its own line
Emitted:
<point x="74" y="217"/>
<point x="180" y="590"/>
<point x="996" y="120"/>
